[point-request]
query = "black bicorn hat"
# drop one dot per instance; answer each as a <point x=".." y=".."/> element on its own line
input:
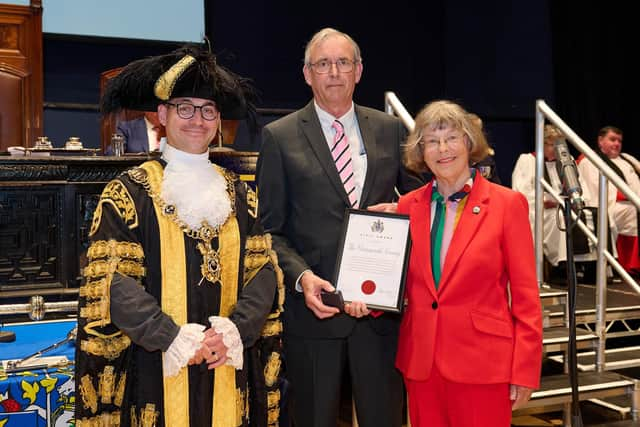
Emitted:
<point x="190" y="71"/>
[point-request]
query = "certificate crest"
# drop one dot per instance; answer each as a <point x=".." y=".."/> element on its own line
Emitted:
<point x="377" y="226"/>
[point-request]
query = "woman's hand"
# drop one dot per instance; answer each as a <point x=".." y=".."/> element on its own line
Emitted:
<point x="384" y="207"/>
<point x="356" y="309"/>
<point x="519" y="395"/>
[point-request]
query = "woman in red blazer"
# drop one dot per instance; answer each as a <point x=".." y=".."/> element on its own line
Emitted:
<point x="470" y="343"/>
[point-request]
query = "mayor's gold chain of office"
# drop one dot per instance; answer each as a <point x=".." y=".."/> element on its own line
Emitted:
<point x="210" y="267"/>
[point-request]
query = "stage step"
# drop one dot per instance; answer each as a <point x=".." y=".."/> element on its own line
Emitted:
<point x="615" y="358"/>
<point x="556" y="338"/>
<point x="624" y="423"/>
<point x="556" y="389"/>
<point x="553" y="302"/>
<point x="622" y="304"/>
<point x="619" y="404"/>
<point x="551" y="296"/>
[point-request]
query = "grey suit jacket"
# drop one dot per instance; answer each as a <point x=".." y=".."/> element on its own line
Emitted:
<point x="303" y="202"/>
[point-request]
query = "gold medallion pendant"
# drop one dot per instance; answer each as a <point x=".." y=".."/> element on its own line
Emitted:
<point x="210" y="267"/>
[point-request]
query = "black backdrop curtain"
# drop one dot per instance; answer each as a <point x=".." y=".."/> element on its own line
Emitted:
<point x="596" y="71"/>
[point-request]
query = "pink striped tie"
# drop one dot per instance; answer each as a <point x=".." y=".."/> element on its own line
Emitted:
<point x="341" y="154"/>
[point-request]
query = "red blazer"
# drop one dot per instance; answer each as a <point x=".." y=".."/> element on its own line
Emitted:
<point x="467" y="327"/>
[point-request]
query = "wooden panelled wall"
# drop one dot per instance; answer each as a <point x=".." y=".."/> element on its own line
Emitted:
<point x="21" y="78"/>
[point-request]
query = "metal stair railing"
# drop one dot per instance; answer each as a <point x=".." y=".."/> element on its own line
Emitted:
<point x="393" y="106"/>
<point x="543" y="111"/>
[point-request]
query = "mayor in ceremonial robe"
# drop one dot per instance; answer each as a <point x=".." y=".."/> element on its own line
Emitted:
<point x="179" y="312"/>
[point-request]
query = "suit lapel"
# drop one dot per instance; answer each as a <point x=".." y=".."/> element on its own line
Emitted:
<point x="313" y="131"/>
<point x="473" y="215"/>
<point x="420" y="223"/>
<point x="370" y="146"/>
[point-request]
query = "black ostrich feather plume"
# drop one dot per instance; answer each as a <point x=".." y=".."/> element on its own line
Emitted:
<point x="198" y="76"/>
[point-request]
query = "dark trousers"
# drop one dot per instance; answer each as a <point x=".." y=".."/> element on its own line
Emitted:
<point x="315" y="369"/>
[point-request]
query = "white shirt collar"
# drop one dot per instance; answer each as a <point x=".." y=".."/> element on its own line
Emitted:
<point x="326" y="119"/>
<point x="175" y="156"/>
<point x="148" y="124"/>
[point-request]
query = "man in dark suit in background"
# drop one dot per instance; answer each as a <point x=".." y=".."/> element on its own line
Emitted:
<point x="141" y="135"/>
<point x="314" y="164"/>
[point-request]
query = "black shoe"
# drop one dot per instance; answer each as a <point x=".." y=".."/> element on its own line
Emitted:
<point x="557" y="274"/>
<point x="586" y="272"/>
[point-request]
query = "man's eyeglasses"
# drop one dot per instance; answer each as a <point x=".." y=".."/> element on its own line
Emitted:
<point x="187" y="111"/>
<point x="323" y="66"/>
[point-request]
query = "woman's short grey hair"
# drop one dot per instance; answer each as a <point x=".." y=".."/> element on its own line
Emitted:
<point x="439" y="115"/>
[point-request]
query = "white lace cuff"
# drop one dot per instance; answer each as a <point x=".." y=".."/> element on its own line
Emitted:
<point x="231" y="339"/>
<point x="183" y="348"/>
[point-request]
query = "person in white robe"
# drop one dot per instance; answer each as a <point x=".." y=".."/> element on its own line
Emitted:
<point x="523" y="180"/>
<point x="623" y="215"/>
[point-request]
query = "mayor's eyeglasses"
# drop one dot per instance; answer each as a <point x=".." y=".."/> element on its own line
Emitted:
<point x="187" y="110"/>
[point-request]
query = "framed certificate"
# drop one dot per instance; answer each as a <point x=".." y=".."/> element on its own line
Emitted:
<point x="372" y="259"/>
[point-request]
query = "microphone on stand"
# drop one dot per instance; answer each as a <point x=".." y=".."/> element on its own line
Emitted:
<point x="568" y="171"/>
<point x="572" y="190"/>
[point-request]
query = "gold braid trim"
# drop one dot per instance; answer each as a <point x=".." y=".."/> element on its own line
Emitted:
<point x="272" y="416"/>
<point x="247" y="406"/>
<point x="271" y="328"/>
<point x="273" y="258"/>
<point x="106" y="384"/>
<point x="273" y="398"/>
<point x="107" y="258"/>
<point x="240" y="406"/>
<point x="258" y="252"/>
<point x="272" y="369"/>
<point x="125" y="267"/>
<point x="108" y="347"/>
<point x="88" y="394"/>
<point x="252" y="202"/>
<point x="258" y="244"/>
<point x="253" y="263"/>
<point x="117" y="195"/>
<point x="167" y="81"/>
<point x="115" y="249"/>
<point x="148" y="415"/>
<point x="119" y="394"/>
<point x="106" y="419"/>
<point x="95" y="311"/>
<point x="94" y="289"/>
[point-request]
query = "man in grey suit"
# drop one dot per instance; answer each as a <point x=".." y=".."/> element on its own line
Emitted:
<point x="306" y="181"/>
